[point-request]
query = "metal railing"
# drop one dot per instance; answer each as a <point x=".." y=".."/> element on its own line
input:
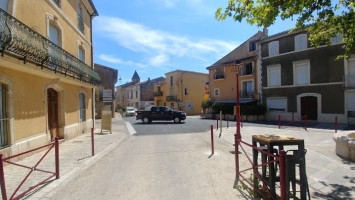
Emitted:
<point x="35" y="168"/>
<point x="246" y="94"/>
<point x="24" y="42"/>
<point x="158" y="94"/>
<point x="246" y="71"/>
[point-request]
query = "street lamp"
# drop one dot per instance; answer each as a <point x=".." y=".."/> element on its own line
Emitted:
<point x="237" y="135"/>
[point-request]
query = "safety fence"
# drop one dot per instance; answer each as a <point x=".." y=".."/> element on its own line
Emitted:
<point x="264" y="190"/>
<point x="32" y="169"/>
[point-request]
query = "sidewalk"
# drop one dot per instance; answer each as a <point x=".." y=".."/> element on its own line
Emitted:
<point x="329" y="176"/>
<point x="75" y="156"/>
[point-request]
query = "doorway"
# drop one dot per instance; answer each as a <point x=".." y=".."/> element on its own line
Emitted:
<point x="309" y="107"/>
<point x="52" y="99"/>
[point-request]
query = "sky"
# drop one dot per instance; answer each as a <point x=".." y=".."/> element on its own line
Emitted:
<point x="154" y="37"/>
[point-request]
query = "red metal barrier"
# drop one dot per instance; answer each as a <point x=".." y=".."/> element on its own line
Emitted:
<point x="54" y="144"/>
<point x="92" y="142"/>
<point x="281" y="159"/>
<point x="212" y="144"/>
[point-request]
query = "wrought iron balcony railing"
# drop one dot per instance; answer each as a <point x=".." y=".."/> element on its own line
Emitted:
<point x="171" y="98"/>
<point x="246" y="94"/>
<point x="349" y="81"/>
<point x="158" y="94"/>
<point x="22" y="41"/>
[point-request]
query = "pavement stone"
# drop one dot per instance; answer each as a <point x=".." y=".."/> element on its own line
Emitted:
<point x="328" y="175"/>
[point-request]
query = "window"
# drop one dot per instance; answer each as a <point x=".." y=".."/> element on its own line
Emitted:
<point x="80" y="19"/>
<point x="186" y="92"/>
<point x="216" y="92"/>
<point x="171" y="81"/>
<point x="4" y="4"/>
<point x="82" y="107"/>
<point x="247" y="69"/>
<point x="136" y="94"/>
<point x="159" y="89"/>
<point x="54" y="34"/>
<point x="247" y="89"/>
<point x="274" y="76"/>
<point x="81" y="54"/>
<point x="276" y="103"/>
<point x="301" y="73"/>
<point x="57" y="2"/>
<point x="252" y="46"/>
<point x="273" y="48"/>
<point x="219" y="73"/>
<point x="4" y="120"/>
<point x="337" y="39"/>
<point x="301" y="42"/>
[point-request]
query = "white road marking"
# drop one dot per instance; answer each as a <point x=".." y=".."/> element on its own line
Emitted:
<point x="130" y="128"/>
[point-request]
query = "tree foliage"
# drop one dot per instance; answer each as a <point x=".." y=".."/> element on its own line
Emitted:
<point x="326" y="19"/>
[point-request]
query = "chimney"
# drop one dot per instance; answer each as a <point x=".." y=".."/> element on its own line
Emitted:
<point x="265" y="31"/>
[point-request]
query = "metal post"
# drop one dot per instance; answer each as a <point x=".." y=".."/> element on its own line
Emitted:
<point x="279" y="121"/>
<point x="283" y="175"/>
<point x="217" y="121"/>
<point x="336" y="124"/>
<point x="56" y="143"/>
<point x="220" y="121"/>
<point x="212" y="144"/>
<point x="2" y="179"/>
<point x="92" y="142"/>
<point x="237" y="136"/>
<point x="305" y="122"/>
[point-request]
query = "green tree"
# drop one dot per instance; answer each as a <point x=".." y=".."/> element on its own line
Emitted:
<point x="327" y="20"/>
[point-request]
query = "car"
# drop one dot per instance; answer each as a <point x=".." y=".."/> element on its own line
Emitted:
<point x="160" y="113"/>
<point x="130" y="111"/>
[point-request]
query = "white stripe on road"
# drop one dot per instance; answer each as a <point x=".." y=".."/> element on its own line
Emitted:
<point x="130" y="128"/>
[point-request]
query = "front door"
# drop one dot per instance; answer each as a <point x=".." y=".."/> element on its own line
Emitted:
<point x="53" y="112"/>
<point x="309" y="107"/>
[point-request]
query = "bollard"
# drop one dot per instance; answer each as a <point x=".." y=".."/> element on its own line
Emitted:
<point x="217" y="121"/>
<point x="279" y="121"/>
<point x="212" y="144"/>
<point x="283" y="175"/>
<point x="92" y="142"/>
<point x="305" y="122"/>
<point x="336" y="124"/>
<point x="236" y="150"/>
<point x="2" y="179"/>
<point x="56" y="143"/>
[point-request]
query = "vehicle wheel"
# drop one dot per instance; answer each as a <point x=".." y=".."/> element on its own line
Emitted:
<point x="146" y="120"/>
<point x="177" y="120"/>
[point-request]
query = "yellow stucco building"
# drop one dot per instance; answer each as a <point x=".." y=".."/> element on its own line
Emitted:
<point x="182" y="90"/>
<point x="46" y="75"/>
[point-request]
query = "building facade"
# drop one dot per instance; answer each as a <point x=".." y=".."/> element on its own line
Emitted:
<point x="105" y="93"/>
<point x="182" y="90"/>
<point x="242" y="62"/>
<point x="299" y="80"/>
<point x="46" y="76"/>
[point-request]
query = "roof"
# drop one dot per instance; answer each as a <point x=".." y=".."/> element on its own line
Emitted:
<point x="283" y="33"/>
<point x="238" y="53"/>
<point x="184" y="71"/>
<point x="93" y="7"/>
<point x="135" y="75"/>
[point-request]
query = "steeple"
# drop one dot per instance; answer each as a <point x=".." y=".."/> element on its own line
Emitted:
<point x="135" y="77"/>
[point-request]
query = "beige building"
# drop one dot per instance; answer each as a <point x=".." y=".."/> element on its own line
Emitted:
<point x="182" y="90"/>
<point x="223" y="74"/>
<point x="46" y="76"/>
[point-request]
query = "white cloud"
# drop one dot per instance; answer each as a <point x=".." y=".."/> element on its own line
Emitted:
<point x="159" y="45"/>
<point x="112" y="59"/>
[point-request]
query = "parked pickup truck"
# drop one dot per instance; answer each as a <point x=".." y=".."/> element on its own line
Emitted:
<point x="160" y="113"/>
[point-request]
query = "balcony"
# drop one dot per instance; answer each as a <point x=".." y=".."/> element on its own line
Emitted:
<point x="19" y="40"/>
<point x="349" y="81"/>
<point x="171" y="98"/>
<point x="158" y="94"/>
<point x="246" y="94"/>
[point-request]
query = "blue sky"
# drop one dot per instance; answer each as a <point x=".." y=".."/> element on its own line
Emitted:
<point x="158" y="36"/>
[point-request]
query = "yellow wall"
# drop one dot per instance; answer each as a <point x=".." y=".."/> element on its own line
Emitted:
<point x="36" y="19"/>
